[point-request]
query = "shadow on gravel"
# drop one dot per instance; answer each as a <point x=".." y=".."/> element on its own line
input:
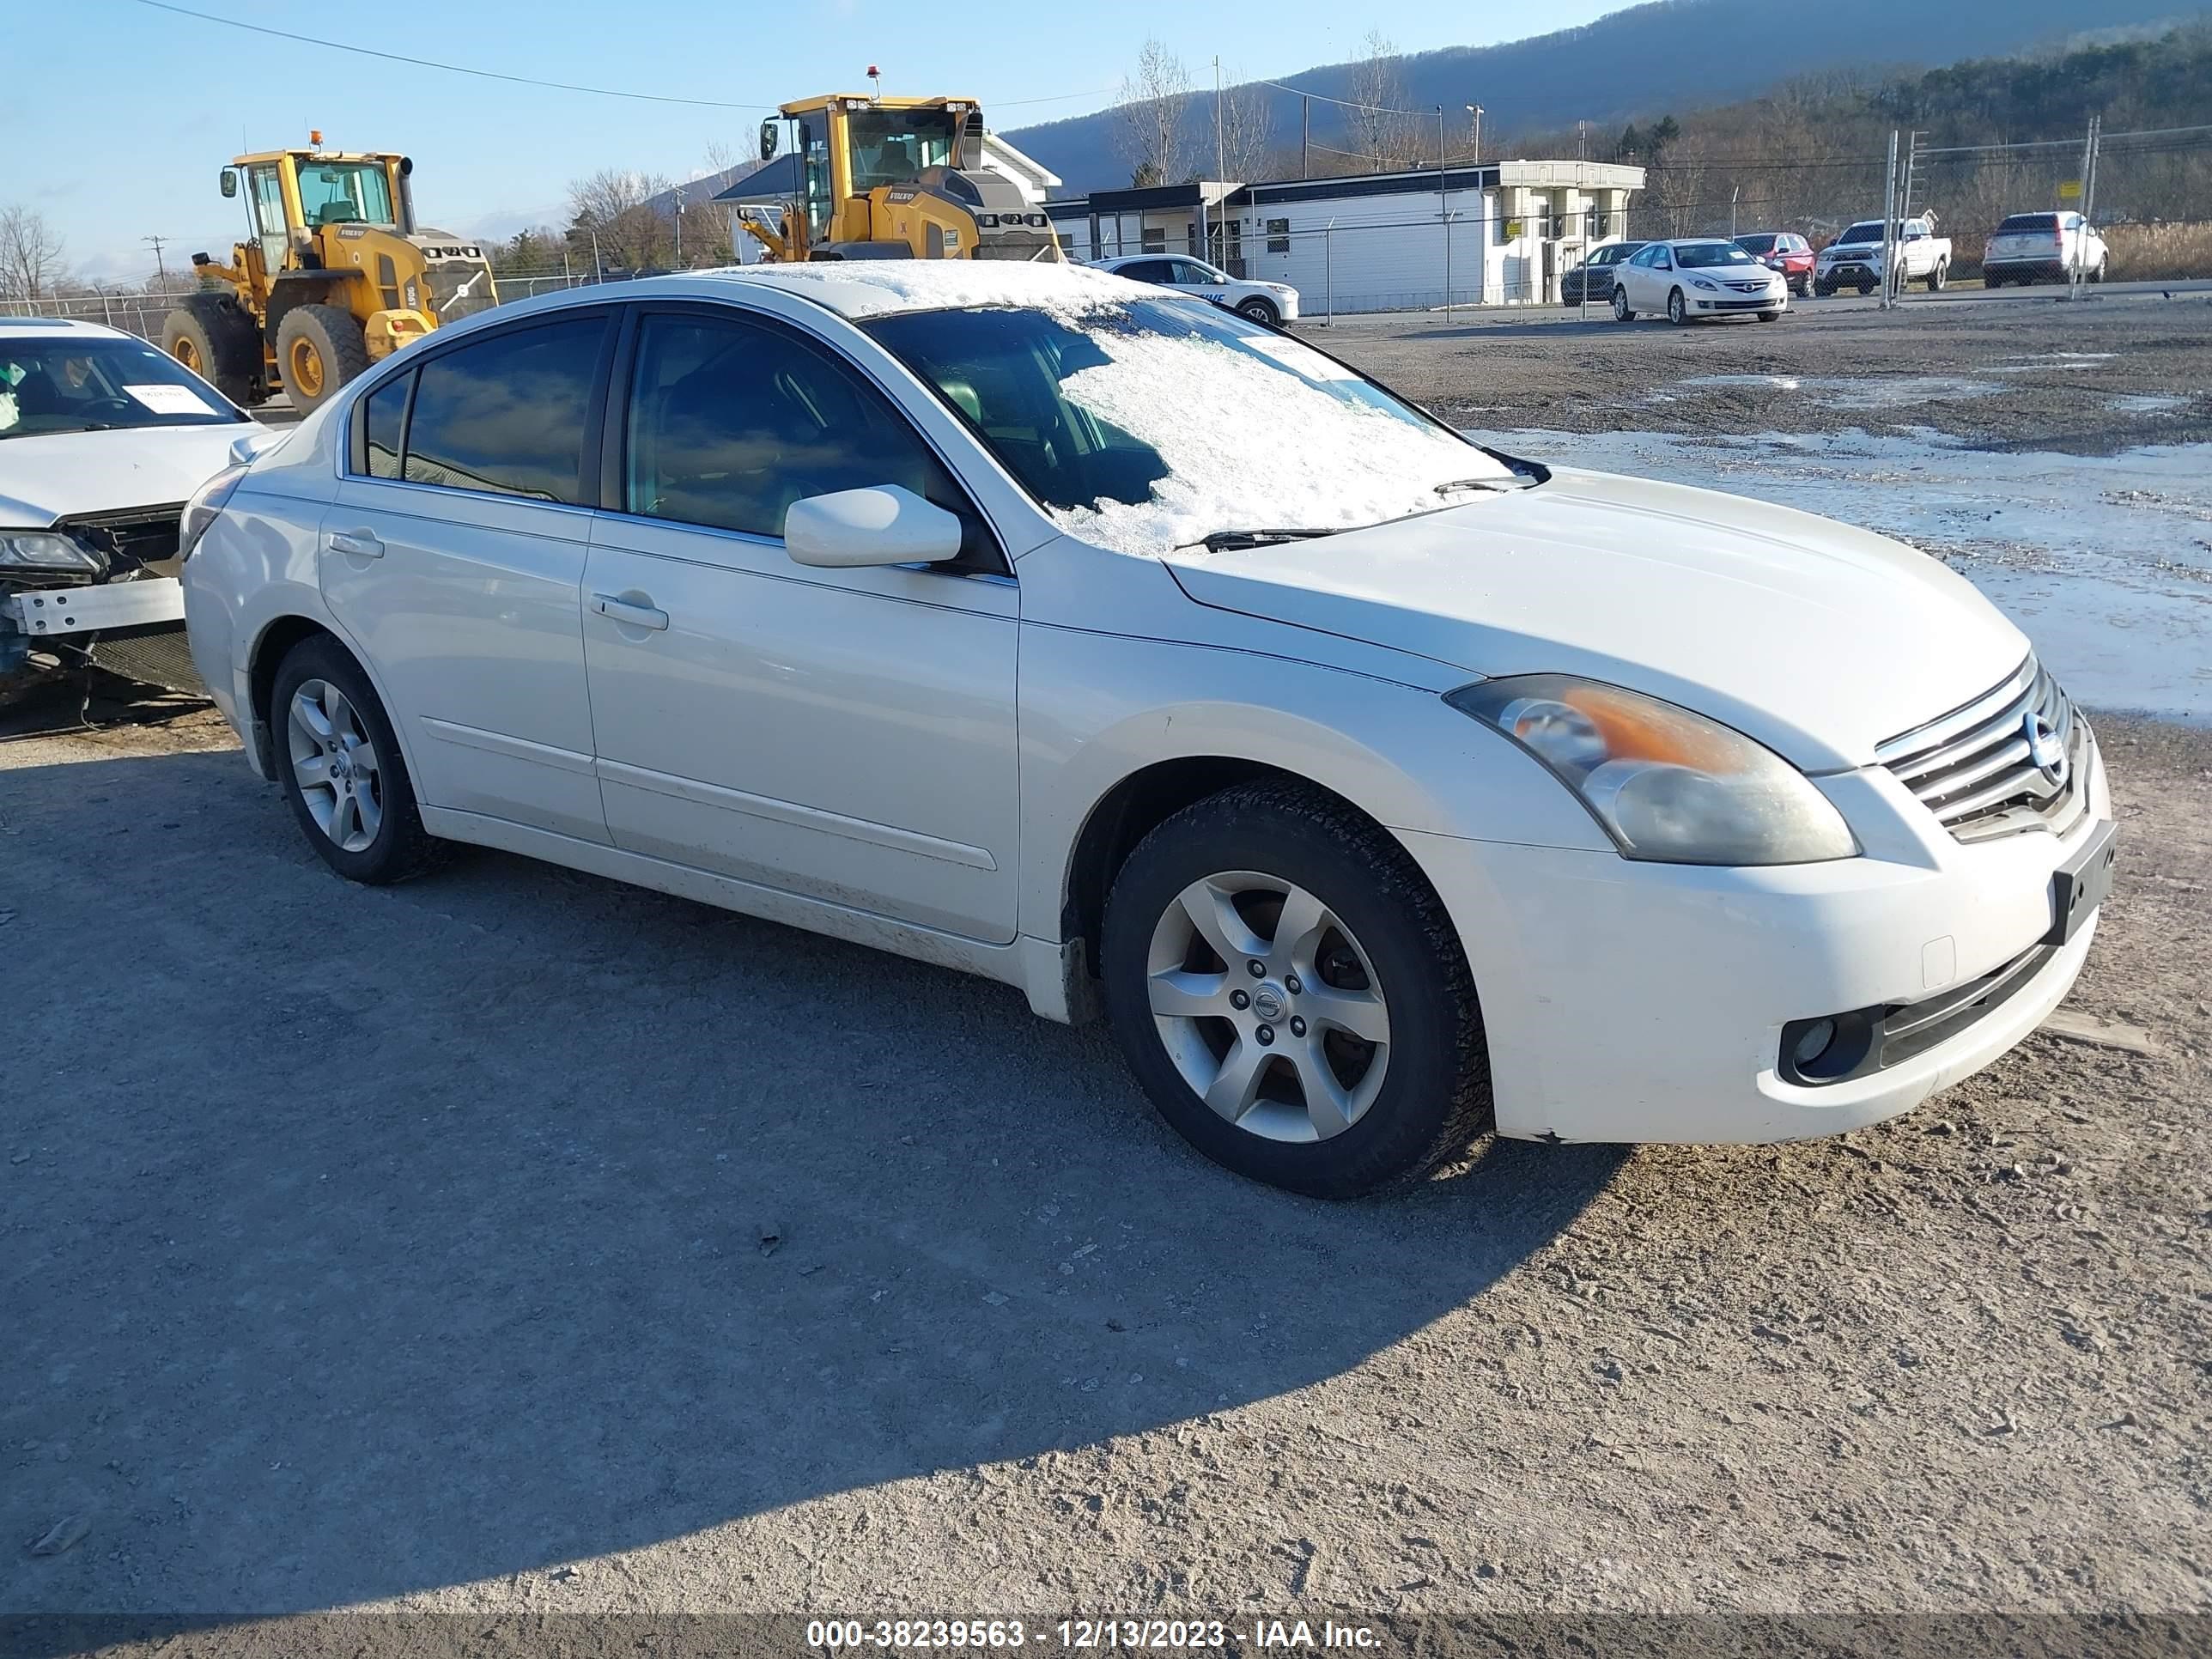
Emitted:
<point x="366" y="1241"/>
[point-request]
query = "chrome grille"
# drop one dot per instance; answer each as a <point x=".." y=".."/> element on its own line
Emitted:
<point x="1972" y="768"/>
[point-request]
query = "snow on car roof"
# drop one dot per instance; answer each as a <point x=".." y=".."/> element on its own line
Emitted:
<point x="858" y="288"/>
<point x="60" y="325"/>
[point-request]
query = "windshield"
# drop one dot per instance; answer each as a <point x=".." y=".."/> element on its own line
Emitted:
<point x="1756" y="243"/>
<point x="892" y="146"/>
<point x="1869" y="231"/>
<point x="344" y="193"/>
<point x="1693" y="256"/>
<point x="1151" y="424"/>
<point x="85" y="385"/>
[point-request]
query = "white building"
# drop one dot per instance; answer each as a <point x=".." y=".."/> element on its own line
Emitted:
<point x="1496" y="234"/>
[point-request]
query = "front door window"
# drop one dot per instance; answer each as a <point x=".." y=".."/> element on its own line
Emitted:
<point x="266" y="186"/>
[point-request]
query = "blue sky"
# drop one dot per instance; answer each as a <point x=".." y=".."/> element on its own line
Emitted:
<point x="117" y="117"/>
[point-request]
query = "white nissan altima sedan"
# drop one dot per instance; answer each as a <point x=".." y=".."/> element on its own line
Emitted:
<point x="1378" y="786"/>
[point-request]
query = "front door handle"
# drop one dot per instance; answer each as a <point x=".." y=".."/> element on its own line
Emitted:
<point x="627" y="612"/>
<point x="361" y="543"/>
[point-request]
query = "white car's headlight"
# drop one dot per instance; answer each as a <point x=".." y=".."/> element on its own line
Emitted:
<point x="1667" y="785"/>
<point x="49" y="550"/>
<point x="1703" y="281"/>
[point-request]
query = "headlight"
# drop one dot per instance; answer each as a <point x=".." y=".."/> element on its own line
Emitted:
<point x="1667" y="785"/>
<point x="49" y="550"/>
<point x="1700" y="282"/>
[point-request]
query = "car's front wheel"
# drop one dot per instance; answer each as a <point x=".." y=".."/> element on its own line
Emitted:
<point x="1678" y="308"/>
<point x="1621" y="313"/>
<point x="1292" y="994"/>
<point x="1260" y="311"/>
<point x="342" y="770"/>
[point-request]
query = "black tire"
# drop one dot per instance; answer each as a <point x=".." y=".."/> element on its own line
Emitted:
<point x="1768" y="316"/>
<point x="1678" y="308"/>
<point x="1824" y="290"/>
<point x="214" y="336"/>
<point x="1621" y="313"/>
<point x="337" y="342"/>
<point x="1260" y="311"/>
<point x="1938" y="276"/>
<point x="1865" y="288"/>
<point x="1434" y="1098"/>
<point x="401" y="848"/>
<point x="1991" y="280"/>
<point x="2098" y="275"/>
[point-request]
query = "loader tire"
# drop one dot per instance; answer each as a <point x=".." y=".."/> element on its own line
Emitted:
<point x="214" y="336"/>
<point x="319" y="350"/>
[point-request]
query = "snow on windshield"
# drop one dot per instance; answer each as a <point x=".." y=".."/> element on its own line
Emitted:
<point x="1247" y="446"/>
<point x="1157" y="422"/>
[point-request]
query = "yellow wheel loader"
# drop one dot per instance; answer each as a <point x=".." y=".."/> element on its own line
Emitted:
<point x="892" y="179"/>
<point x="334" y="274"/>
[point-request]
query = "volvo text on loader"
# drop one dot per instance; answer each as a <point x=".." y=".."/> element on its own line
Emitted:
<point x="894" y="178"/>
<point x="334" y="274"/>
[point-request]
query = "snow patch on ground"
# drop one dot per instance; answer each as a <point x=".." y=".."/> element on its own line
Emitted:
<point x="2105" y="561"/>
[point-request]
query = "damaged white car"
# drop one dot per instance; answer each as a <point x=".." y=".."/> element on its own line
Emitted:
<point x="103" y="438"/>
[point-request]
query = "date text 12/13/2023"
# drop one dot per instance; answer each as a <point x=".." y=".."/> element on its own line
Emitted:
<point x="1164" y="1635"/>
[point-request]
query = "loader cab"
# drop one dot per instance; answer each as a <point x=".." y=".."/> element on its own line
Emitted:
<point x="848" y="145"/>
<point x="292" y="195"/>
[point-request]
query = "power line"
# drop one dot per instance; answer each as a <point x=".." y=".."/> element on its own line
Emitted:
<point x="523" y="79"/>
<point x="1342" y="103"/>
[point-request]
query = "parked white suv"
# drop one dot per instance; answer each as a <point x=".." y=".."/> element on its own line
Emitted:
<point x="2044" y="248"/>
<point x="102" y="438"/>
<point x="1263" y="302"/>
<point x="1380" y="786"/>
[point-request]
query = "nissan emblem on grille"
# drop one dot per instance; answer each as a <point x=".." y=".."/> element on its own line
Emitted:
<point x="2045" y="750"/>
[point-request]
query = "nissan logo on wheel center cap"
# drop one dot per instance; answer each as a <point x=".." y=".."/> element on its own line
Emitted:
<point x="2044" y="750"/>
<point x="1268" y="1003"/>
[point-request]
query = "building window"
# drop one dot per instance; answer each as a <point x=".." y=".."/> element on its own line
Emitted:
<point x="1155" y="241"/>
<point x="1600" y="223"/>
<point x="1278" y="235"/>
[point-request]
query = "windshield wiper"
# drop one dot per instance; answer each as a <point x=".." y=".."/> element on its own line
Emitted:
<point x="1517" y="480"/>
<point x="49" y="431"/>
<point x="1224" y="541"/>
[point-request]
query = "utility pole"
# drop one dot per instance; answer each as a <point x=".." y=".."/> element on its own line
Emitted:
<point x="1734" y="191"/>
<point x="1474" y="111"/>
<point x="1582" y="141"/>
<point x="679" y="227"/>
<point x="1889" y="242"/>
<point x="1220" y="153"/>
<point x="161" y="271"/>
<point x="1305" y="136"/>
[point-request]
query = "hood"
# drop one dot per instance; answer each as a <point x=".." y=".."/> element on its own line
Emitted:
<point x="62" y="474"/>
<point x="1817" y="639"/>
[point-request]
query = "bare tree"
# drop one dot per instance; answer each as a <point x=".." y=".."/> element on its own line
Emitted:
<point x="1382" y="127"/>
<point x="1247" y="132"/>
<point x="620" y="210"/>
<point x="31" y="254"/>
<point x="1149" y="116"/>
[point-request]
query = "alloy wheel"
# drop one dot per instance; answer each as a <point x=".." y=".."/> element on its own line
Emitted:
<point x="335" y="765"/>
<point x="1268" y="1007"/>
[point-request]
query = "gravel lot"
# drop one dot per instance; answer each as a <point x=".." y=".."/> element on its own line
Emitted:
<point x="514" y="1243"/>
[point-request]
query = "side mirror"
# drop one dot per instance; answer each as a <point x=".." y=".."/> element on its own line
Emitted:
<point x="885" y="524"/>
<point x="230" y="182"/>
<point x="769" y="138"/>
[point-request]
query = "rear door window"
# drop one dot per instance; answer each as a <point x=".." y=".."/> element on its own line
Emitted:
<point x="508" y="414"/>
<point x="1147" y="270"/>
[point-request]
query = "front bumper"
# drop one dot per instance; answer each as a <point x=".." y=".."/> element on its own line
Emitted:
<point x="1639" y="1002"/>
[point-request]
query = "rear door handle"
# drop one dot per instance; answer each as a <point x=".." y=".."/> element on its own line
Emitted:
<point x="361" y="543"/>
<point x="628" y="614"/>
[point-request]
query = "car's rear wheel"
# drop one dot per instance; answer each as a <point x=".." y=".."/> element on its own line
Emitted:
<point x="1260" y="311"/>
<point x="1290" y="993"/>
<point x="1621" y="313"/>
<point x="342" y="770"/>
<point x="1678" y="308"/>
<point x="1939" y="276"/>
<point x="1992" y="279"/>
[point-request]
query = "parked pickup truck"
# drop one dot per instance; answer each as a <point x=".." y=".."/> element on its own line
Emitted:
<point x="1854" y="258"/>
